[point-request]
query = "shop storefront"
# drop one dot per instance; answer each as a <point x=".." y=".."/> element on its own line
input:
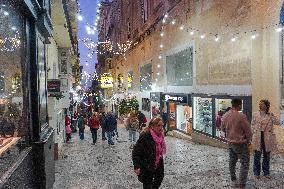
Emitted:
<point x="179" y="111"/>
<point x="26" y="140"/>
<point x="208" y="112"/>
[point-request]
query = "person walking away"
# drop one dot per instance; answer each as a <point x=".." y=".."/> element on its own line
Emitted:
<point x="264" y="139"/>
<point x="147" y="155"/>
<point x="142" y="120"/>
<point x="94" y="124"/>
<point x="238" y="134"/>
<point x="68" y="128"/>
<point x="165" y="120"/>
<point x="103" y="125"/>
<point x="132" y="126"/>
<point x="111" y="124"/>
<point x="81" y="126"/>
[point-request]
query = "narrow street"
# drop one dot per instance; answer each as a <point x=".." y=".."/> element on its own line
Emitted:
<point x="187" y="165"/>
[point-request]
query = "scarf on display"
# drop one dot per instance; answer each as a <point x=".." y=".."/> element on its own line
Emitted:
<point x="160" y="146"/>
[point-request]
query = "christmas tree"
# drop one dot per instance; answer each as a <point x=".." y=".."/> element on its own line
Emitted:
<point x="127" y="105"/>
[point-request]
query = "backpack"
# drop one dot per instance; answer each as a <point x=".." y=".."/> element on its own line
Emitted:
<point x="134" y="125"/>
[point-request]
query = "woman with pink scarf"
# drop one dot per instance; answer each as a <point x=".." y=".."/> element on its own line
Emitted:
<point x="147" y="155"/>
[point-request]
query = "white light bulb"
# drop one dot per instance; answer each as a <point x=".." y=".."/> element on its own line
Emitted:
<point x="279" y="29"/>
<point x="202" y="36"/>
<point x="166" y="15"/>
<point x="161" y="46"/>
<point x="88" y="28"/>
<point x="253" y="36"/>
<point x="162" y="34"/>
<point x="217" y="39"/>
<point x="79" y="17"/>
<point x="14" y="28"/>
<point x="6" y="13"/>
<point x="173" y="22"/>
<point x="160" y="57"/>
<point x="164" y="21"/>
<point x="98" y="11"/>
<point x="181" y="27"/>
<point x="99" y="5"/>
<point x="158" y="73"/>
<point x="158" y="65"/>
<point x="192" y="33"/>
<point x="93" y="32"/>
<point x="233" y="39"/>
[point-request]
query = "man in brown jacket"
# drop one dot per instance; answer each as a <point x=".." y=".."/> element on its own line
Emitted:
<point x="238" y="134"/>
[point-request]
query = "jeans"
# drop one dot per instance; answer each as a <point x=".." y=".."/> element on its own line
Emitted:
<point x="103" y="133"/>
<point x="81" y="134"/>
<point x="132" y="135"/>
<point x="237" y="151"/>
<point x="109" y="137"/>
<point x="265" y="162"/>
<point x="94" y="135"/>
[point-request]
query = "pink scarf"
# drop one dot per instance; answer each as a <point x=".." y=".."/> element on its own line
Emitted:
<point x="160" y="146"/>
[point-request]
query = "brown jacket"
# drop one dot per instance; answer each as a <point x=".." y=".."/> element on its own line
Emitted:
<point x="264" y="123"/>
<point x="236" y="127"/>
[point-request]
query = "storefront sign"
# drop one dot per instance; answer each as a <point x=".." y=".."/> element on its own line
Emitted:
<point x="175" y="98"/>
<point x="106" y="81"/>
<point x="53" y="86"/>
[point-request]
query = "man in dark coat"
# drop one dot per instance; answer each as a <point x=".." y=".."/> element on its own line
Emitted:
<point x="103" y="125"/>
<point x="111" y="125"/>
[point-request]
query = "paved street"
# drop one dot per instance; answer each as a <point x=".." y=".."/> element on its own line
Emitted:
<point x="187" y="165"/>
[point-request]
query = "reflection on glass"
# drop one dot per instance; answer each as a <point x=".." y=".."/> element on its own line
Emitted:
<point x="12" y="119"/>
<point x="203" y="114"/>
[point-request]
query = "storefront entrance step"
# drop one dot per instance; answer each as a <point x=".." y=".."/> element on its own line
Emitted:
<point x="179" y="135"/>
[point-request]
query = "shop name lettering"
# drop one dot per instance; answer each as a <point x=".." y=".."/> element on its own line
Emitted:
<point x="174" y="98"/>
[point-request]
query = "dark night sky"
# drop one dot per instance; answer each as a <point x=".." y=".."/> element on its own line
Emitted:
<point x="89" y="13"/>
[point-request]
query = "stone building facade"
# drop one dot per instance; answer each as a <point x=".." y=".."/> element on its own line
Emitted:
<point x="235" y="45"/>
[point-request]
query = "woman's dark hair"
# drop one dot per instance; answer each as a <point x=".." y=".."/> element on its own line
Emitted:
<point x="267" y="104"/>
<point x="236" y="102"/>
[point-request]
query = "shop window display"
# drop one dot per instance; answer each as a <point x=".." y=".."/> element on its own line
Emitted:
<point x="13" y="103"/>
<point x="172" y="116"/>
<point x="203" y="114"/>
<point x="184" y="118"/>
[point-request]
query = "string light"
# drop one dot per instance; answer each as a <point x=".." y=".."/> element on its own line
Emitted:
<point x="202" y="36"/>
<point x="79" y="17"/>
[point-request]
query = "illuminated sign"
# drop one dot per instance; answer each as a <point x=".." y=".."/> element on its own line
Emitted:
<point x="106" y="81"/>
<point x="175" y="98"/>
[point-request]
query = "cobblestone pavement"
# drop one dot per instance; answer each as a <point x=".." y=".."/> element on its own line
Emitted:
<point x="187" y="165"/>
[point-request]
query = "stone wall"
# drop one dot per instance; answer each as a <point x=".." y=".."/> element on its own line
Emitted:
<point x="247" y="61"/>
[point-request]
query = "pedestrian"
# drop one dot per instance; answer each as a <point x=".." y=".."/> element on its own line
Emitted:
<point x="132" y="125"/>
<point x="264" y="139"/>
<point x="238" y="135"/>
<point x="94" y="124"/>
<point x="81" y="126"/>
<point x="147" y="155"/>
<point x="142" y="120"/>
<point x="165" y="120"/>
<point x="103" y="125"/>
<point x="111" y="125"/>
<point x="68" y="128"/>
